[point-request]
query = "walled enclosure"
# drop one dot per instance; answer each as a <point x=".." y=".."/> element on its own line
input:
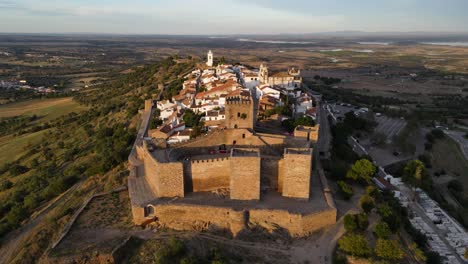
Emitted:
<point x="289" y="175"/>
<point x="167" y="187"/>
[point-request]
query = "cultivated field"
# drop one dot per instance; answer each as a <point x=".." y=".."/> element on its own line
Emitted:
<point x="47" y="109"/>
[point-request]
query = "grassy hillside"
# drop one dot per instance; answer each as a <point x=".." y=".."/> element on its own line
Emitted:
<point x="88" y="144"/>
<point x="46" y="109"/>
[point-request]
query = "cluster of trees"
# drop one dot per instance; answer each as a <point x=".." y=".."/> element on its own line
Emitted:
<point x="9" y="125"/>
<point x="432" y="137"/>
<point x="193" y="120"/>
<point x="327" y="80"/>
<point x="78" y="145"/>
<point x="387" y="247"/>
<point x="379" y="103"/>
<point x="279" y="110"/>
<point x="155" y="120"/>
<point x="362" y="171"/>
<point x="356" y="244"/>
<point x="292" y="123"/>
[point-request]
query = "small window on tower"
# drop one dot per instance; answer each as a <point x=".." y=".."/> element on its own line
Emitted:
<point x="243" y="135"/>
<point x="238" y="114"/>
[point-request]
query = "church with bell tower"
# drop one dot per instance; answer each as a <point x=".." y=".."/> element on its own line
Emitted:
<point x="209" y="61"/>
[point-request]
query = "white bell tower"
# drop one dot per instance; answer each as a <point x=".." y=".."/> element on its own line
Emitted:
<point x="209" y="61"/>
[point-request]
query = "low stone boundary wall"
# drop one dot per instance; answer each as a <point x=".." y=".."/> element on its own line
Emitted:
<point x="75" y="216"/>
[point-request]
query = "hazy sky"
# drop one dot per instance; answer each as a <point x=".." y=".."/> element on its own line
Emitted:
<point x="231" y="16"/>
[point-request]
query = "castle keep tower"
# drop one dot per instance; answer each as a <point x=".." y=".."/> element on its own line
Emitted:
<point x="240" y="111"/>
<point x="209" y="61"/>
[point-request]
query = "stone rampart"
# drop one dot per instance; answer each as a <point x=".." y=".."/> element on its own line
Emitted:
<point x="164" y="179"/>
<point x="200" y="217"/>
<point x="209" y="174"/>
<point x="230" y="137"/>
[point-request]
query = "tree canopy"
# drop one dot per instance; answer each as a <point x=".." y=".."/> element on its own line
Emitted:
<point x="389" y="249"/>
<point x="363" y="169"/>
<point x="355" y="245"/>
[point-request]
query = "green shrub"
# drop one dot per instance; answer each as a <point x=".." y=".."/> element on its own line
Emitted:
<point x="389" y="249"/>
<point x="355" y="245"/>
<point x="363" y="170"/>
<point x="382" y="230"/>
<point x="345" y="190"/>
<point x="366" y="203"/>
<point x="354" y="222"/>
<point x="349" y="223"/>
<point x="5" y="185"/>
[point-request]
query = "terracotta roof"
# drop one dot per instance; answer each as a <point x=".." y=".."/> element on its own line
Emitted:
<point x="166" y="129"/>
<point x="178" y="97"/>
<point x="384" y="183"/>
<point x="281" y="75"/>
<point x="222" y="88"/>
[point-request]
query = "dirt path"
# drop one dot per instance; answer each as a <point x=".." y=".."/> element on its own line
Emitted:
<point x="9" y="245"/>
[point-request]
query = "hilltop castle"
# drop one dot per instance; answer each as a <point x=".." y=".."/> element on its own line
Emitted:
<point x="232" y="177"/>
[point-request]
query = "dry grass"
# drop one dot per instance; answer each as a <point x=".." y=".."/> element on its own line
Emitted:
<point x="14" y="147"/>
<point x="47" y="109"/>
<point x="448" y="156"/>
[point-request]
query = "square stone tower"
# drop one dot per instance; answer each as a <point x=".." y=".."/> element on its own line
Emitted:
<point x="245" y="174"/>
<point x="240" y="111"/>
<point x="295" y="172"/>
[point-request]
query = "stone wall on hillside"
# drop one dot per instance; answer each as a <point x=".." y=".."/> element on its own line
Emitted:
<point x="200" y="217"/>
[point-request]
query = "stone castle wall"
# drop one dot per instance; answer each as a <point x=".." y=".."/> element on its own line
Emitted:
<point x="245" y="178"/>
<point x="208" y="175"/>
<point x="238" y="137"/>
<point x="199" y="217"/>
<point x="316" y="221"/>
<point x="164" y="179"/>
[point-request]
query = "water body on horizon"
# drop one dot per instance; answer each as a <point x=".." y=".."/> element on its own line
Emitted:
<point x="453" y="44"/>
<point x="275" y="41"/>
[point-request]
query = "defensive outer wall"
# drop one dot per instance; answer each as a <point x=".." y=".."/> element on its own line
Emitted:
<point x="177" y="194"/>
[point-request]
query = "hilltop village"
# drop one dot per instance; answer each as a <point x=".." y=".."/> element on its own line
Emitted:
<point x="237" y="166"/>
<point x="205" y="92"/>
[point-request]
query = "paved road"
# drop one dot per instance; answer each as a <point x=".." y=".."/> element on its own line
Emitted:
<point x="459" y="137"/>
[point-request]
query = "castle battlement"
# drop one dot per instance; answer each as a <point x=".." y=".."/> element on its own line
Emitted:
<point x="238" y="102"/>
<point x="209" y="160"/>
